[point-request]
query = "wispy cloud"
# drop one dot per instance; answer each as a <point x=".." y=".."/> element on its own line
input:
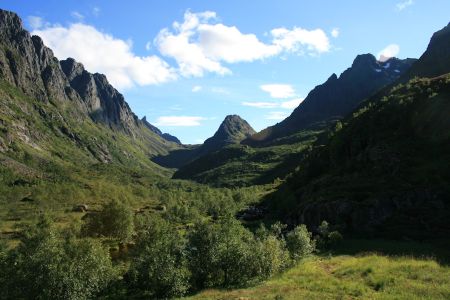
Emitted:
<point x="261" y="104"/>
<point x="179" y="121"/>
<point x="36" y="22"/>
<point x="277" y="115"/>
<point x="335" y="32"/>
<point x="78" y="16"/>
<point x="96" y="11"/>
<point x="196" y="89"/>
<point x="279" y="91"/>
<point x="404" y="4"/>
<point x="389" y="51"/>
<point x="292" y="103"/>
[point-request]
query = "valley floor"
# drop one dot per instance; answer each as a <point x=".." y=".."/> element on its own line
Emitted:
<point x="366" y="275"/>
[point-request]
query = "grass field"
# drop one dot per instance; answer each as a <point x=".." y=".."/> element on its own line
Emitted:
<point x="364" y="275"/>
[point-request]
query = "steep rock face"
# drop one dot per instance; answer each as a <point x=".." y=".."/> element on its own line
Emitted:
<point x="232" y="130"/>
<point x="337" y="96"/>
<point x="104" y="103"/>
<point x="436" y="59"/>
<point x="45" y="100"/>
<point x="27" y="64"/>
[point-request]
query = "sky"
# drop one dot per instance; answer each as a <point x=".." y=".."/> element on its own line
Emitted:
<point x="186" y="64"/>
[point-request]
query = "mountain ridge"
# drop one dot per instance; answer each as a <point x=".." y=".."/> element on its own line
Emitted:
<point x="336" y="97"/>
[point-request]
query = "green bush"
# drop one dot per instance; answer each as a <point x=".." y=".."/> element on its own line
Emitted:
<point x="221" y="254"/>
<point x="327" y="239"/>
<point x="158" y="266"/>
<point x="299" y="242"/>
<point x="115" y="220"/>
<point x="48" y="265"/>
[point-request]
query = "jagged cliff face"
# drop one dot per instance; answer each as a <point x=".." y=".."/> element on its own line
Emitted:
<point x="338" y="96"/>
<point x="44" y="100"/>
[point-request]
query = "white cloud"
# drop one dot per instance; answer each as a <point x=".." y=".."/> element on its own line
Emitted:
<point x="76" y="15"/>
<point x="389" y="51"/>
<point x="404" y="4"/>
<point x="278" y="90"/>
<point x="179" y="121"/>
<point x="196" y="88"/>
<point x="103" y="53"/>
<point x="35" y="22"/>
<point x="300" y="40"/>
<point x="148" y="46"/>
<point x="261" y="104"/>
<point x="335" y="32"/>
<point x="96" y="11"/>
<point x="292" y="103"/>
<point x="198" y="45"/>
<point x="277" y="115"/>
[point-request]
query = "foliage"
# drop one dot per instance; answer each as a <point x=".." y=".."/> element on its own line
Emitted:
<point x="115" y="220"/>
<point x="220" y="254"/>
<point x="49" y="265"/>
<point x="299" y="242"/>
<point x="158" y="267"/>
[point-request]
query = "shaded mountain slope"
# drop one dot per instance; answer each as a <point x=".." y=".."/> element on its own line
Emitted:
<point x="336" y="97"/>
<point x="381" y="173"/>
<point x="232" y="130"/>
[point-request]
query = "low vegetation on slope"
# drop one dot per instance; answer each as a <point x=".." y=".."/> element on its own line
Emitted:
<point x="385" y="168"/>
<point x="360" y="276"/>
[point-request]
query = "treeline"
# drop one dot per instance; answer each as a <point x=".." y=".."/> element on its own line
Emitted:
<point x="164" y="260"/>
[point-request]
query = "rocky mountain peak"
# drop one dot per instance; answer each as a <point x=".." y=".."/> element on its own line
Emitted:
<point x="232" y="130"/>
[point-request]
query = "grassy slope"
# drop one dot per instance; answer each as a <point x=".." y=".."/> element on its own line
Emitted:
<point x="360" y="276"/>
<point x="240" y="165"/>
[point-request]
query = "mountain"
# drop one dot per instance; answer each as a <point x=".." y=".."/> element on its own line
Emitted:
<point x="58" y="112"/>
<point x="156" y="130"/>
<point x="436" y="59"/>
<point x="335" y="98"/>
<point x="384" y="170"/>
<point x="232" y="130"/>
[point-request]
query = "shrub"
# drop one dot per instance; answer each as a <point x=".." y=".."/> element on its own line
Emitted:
<point x="299" y="242"/>
<point x="115" y="220"/>
<point x="221" y="254"/>
<point x="158" y="266"/>
<point x="47" y="265"/>
<point x="326" y="238"/>
<point x="334" y="238"/>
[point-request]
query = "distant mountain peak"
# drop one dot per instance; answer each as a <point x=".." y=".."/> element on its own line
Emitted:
<point x="232" y="130"/>
<point x="156" y="130"/>
<point x="337" y="96"/>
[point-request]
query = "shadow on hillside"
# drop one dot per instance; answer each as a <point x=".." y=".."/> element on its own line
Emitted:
<point x="438" y="250"/>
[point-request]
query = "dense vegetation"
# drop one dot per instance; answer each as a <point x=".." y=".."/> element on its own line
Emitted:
<point x="165" y="260"/>
<point x="384" y="167"/>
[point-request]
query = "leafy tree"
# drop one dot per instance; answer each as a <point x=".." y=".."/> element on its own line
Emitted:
<point x="299" y="242"/>
<point x="221" y="254"/>
<point x="158" y="267"/>
<point x="115" y="220"/>
<point x="47" y="265"/>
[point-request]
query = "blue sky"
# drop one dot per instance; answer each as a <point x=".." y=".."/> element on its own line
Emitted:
<point x="187" y="64"/>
